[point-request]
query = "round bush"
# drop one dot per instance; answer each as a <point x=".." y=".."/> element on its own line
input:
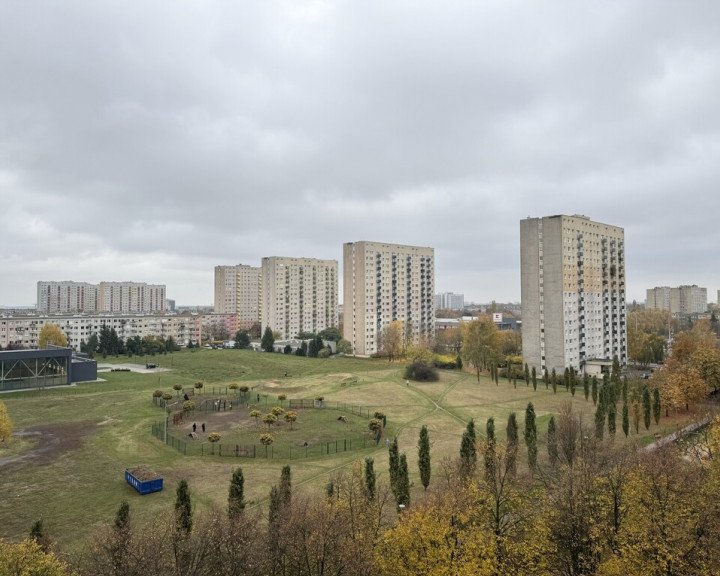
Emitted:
<point x="421" y="372"/>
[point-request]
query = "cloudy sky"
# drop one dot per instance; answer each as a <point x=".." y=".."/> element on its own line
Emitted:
<point x="151" y="141"/>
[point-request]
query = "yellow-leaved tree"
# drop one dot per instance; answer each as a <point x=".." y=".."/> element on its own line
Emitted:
<point x="27" y="557"/>
<point x="392" y="339"/>
<point x="51" y="334"/>
<point x="481" y="343"/>
<point x="6" y="427"/>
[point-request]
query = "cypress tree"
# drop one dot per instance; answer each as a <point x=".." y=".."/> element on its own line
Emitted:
<point x="646" y="407"/>
<point x="468" y="454"/>
<point x="37" y="533"/>
<point x="546" y="379"/>
<point x="586" y="386"/>
<point x="552" y="442"/>
<point x="394" y="462"/>
<point x="119" y="546"/>
<point x="615" y="374"/>
<point x="534" y="378"/>
<point x="512" y="443"/>
<point x="594" y="390"/>
<point x="600" y="418"/>
<point x="566" y="378"/>
<point x="490" y="430"/>
<point x="553" y="381"/>
<point x="531" y="435"/>
<point x="236" y="493"/>
<point x="625" y="420"/>
<point x="612" y="416"/>
<point x="402" y="496"/>
<point x="183" y="508"/>
<point x="573" y="382"/>
<point x="285" y="488"/>
<point x="624" y="389"/>
<point x="490" y="450"/>
<point x="527" y="375"/>
<point x="424" y="457"/>
<point x="370" y="478"/>
<point x="497" y="376"/>
<point x="656" y="405"/>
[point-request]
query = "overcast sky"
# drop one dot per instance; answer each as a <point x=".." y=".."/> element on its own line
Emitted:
<point x="151" y="141"/>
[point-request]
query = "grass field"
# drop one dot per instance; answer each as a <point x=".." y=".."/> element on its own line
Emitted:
<point x="72" y="446"/>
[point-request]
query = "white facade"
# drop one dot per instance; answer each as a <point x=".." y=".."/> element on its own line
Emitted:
<point x="298" y="295"/>
<point x="24" y="330"/>
<point x="383" y="283"/>
<point x="449" y="301"/>
<point x="573" y="292"/>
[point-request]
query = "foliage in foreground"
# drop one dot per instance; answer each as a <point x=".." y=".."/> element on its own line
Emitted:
<point x="595" y="510"/>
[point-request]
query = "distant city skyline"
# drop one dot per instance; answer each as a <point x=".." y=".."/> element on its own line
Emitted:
<point x="219" y="133"/>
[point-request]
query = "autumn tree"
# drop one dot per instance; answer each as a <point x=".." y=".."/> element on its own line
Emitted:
<point x="6" y="425"/>
<point x="51" y="334"/>
<point x="392" y="339"/>
<point x="28" y="558"/>
<point x="482" y="343"/>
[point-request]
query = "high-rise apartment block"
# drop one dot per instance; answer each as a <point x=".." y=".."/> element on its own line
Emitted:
<point x="298" y="295"/>
<point x="237" y="291"/>
<point x="449" y="301"/>
<point x="66" y="297"/>
<point x="573" y="292"/>
<point x="131" y="297"/>
<point x="123" y="297"/>
<point x="681" y="300"/>
<point x="383" y="283"/>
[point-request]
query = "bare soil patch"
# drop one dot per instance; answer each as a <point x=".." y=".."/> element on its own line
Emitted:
<point x="51" y="441"/>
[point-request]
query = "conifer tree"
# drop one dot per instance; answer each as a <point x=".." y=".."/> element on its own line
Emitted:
<point x="402" y="496"/>
<point x="527" y="375"/>
<point x="534" y="378"/>
<point x="546" y="379"/>
<point x="586" y="386"/>
<point x="370" y="478"/>
<point x="236" y="498"/>
<point x="656" y="406"/>
<point x="553" y="381"/>
<point x="552" y="444"/>
<point x="512" y="443"/>
<point x="489" y="455"/>
<point x="646" y="407"/>
<point x="424" y="457"/>
<point x="285" y="488"/>
<point x="394" y="464"/>
<point x="612" y="416"/>
<point x="625" y="419"/>
<point x="183" y="509"/>
<point x="468" y="451"/>
<point x="594" y="390"/>
<point x="531" y="435"/>
<point x="268" y="340"/>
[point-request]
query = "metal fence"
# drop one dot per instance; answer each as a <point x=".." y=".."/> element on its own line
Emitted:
<point x="191" y="447"/>
<point x="195" y="448"/>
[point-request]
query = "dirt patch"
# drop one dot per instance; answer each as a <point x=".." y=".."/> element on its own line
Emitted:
<point x="50" y="442"/>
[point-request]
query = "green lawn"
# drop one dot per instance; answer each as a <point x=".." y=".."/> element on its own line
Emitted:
<point x="97" y="430"/>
